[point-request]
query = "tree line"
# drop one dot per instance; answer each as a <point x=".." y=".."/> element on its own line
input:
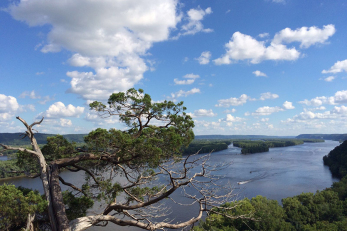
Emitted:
<point x="205" y="146"/>
<point x="250" y="146"/>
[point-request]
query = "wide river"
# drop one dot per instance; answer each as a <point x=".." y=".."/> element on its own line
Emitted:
<point x="277" y="174"/>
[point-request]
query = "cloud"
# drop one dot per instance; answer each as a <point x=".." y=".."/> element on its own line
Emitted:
<point x="262" y="111"/>
<point x="190" y="79"/>
<point x="339" y="110"/>
<point x="339" y="66"/>
<point x="204" y="57"/>
<point x="264" y="119"/>
<point x="8" y="106"/>
<point x="259" y="73"/>
<point x="31" y="95"/>
<point x="329" y="79"/>
<point x="203" y="113"/>
<point x="233" y="110"/>
<point x="288" y="105"/>
<point x="233" y="101"/>
<point x="304" y="35"/>
<point x="268" y="95"/>
<point x="58" y="110"/>
<point x="263" y="35"/>
<point x="46" y="99"/>
<point x="318" y="101"/>
<point x="184" y="82"/>
<point x="194" y="25"/>
<point x="8" y="103"/>
<point x="231" y="118"/>
<point x="338" y="98"/>
<point x="108" y="36"/>
<point x="65" y="122"/>
<point x="182" y="93"/>
<point x="191" y="76"/>
<point x="244" y="47"/>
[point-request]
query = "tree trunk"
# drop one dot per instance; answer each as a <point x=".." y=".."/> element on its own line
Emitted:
<point x="58" y="203"/>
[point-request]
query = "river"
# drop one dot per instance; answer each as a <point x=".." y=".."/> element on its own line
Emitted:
<point x="277" y="174"/>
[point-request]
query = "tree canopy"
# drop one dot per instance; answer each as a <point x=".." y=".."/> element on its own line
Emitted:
<point x="124" y="168"/>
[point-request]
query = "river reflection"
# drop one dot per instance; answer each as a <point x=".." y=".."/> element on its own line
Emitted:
<point x="277" y="174"/>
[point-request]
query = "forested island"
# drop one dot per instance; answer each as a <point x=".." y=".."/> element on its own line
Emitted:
<point x="250" y="146"/>
<point x="206" y="146"/>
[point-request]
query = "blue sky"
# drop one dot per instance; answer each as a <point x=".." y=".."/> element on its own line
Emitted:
<point x="271" y="67"/>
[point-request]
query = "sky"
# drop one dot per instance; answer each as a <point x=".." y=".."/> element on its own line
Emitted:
<point x="242" y="67"/>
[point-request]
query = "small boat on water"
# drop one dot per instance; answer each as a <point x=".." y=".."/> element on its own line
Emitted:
<point x="243" y="182"/>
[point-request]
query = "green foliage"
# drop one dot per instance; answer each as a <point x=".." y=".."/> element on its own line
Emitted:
<point x="341" y="188"/>
<point x="263" y="214"/>
<point x="76" y="207"/>
<point x="143" y="143"/>
<point x="336" y="137"/>
<point x="206" y="146"/>
<point x="337" y="160"/>
<point x="308" y="208"/>
<point x="57" y="147"/>
<point x="16" y="204"/>
<point x="250" y="146"/>
<point x="8" y="168"/>
<point x="307" y="211"/>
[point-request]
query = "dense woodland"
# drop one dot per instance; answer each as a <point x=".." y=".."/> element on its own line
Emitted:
<point x="250" y="146"/>
<point x="336" y="137"/>
<point x="337" y="160"/>
<point x="324" y="210"/>
<point x="205" y="146"/>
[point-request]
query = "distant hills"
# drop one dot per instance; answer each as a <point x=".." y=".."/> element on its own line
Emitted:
<point x="246" y="137"/>
<point x="16" y="138"/>
<point x="41" y="138"/>
<point x="337" y="137"/>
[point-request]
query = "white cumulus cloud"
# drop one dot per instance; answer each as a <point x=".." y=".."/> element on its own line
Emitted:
<point x="190" y="78"/>
<point x="339" y="66"/>
<point x="233" y="101"/>
<point x="340" y="97"/>
<point x="329" y="79"/>
<point x="182" y="93"/>
<point x="194" y="25"/>
<point x="204" y="57"/>
<point x="262" y="111"/>
<point x="65" y="122"/>
<point x="306" y="36"/>
<point x="8" y="106"/>
<point x="58" y="110"/>
<point x="108" y="36"/>
<point x="203" y="113"/>
<point x="244" y="47"/>
<point x="268" y="95"/>
<point x="259" y="73"/>
<point x="288" y="105"/>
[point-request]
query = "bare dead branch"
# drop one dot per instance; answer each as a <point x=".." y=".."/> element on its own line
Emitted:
<point x="72" y="186"/>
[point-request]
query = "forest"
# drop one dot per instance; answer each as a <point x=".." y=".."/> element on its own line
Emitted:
<point x="205" y="146"/>
<point x="250" y="146"/>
